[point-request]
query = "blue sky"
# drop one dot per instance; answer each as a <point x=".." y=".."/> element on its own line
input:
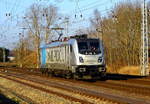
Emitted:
<point x="9" y="28"/>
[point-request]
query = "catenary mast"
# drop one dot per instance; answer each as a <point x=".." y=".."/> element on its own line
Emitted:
<point x="144" y="41"/>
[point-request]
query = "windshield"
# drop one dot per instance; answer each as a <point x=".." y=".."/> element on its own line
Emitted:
<point x="89" y="47"/>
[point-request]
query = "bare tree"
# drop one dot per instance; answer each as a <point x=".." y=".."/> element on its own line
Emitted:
<point x="38" y="21"/>
<point x="121" y="34"/>
<point x="49" y="18"/>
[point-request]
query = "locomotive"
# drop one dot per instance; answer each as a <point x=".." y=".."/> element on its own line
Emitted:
<point x="78" y="57"/>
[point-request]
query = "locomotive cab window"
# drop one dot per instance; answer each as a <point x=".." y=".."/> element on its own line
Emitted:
<point x="89" y="47"/>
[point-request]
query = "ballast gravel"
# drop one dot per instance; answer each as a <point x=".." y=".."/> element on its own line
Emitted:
<point x="45" y="98"/>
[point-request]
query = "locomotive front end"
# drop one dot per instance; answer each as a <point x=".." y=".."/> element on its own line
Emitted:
<point x="91" y="62"/>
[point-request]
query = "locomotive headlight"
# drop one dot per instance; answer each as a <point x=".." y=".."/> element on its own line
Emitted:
<point x="100" y="59"/>
<point x="81" y="59"/>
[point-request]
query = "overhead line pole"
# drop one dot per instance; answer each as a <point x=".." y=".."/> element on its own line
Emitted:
<point x="4" y="55"/>
<point x="144" y="42"/>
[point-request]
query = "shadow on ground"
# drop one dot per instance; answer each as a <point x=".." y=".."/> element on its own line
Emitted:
<point x="111" y="76"/>
<point x="5" y="100"/>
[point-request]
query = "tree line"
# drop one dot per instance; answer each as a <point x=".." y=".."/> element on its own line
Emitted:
<point x="120" y="31"/>
<point x="121" y="34"/>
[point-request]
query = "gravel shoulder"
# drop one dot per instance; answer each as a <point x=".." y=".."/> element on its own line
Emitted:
<point x="37" y="96"/>
<point x="40" y="97"/>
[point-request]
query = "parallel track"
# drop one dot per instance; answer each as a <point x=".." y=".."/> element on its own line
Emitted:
<point x="47" y="91"/>
<point x="92" y="93"/>
<point x="24" y="99"/>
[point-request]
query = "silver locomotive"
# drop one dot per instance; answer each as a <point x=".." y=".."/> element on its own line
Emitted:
<point x="78" y="57"/>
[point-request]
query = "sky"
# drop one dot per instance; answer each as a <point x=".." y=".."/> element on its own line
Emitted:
<point x="12" y="11"/>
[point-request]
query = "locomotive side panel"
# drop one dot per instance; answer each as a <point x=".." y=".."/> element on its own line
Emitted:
<point x="58" y="58"/>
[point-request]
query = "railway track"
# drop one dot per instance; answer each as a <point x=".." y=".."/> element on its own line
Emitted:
<point x="21" y="98"/>
<point x="46" y="90"/>
<point x="88" y="92"/>
<point x="143" y="81"/>
<point x="80" y="91"/>
<point x="133" y="89"/>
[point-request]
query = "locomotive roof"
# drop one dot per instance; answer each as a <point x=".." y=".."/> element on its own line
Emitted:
<point x="57" y="43"/>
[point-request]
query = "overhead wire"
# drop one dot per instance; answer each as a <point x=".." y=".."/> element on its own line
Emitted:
<point x="6" y="29"/>
<point x="101" y="4"/>
<point x="82" y="9"/>
<point x="11" y="15"/>
<point x="14" y="16"/>
<point x="17" y="6"/>
<point x="14" y="6"/>
<point x="78" y="8"/>
<point x="6" y="5"/>
<point x="95" y="2"/>
<point x="102" y="14"/>
<point x="77" y="3"/>
<point x="94" y="6"/>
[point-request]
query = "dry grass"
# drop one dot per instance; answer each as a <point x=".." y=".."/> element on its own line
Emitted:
<point x="130" y="70"/>
<point x="38" y="96"/>
<point x="30" y="60"/>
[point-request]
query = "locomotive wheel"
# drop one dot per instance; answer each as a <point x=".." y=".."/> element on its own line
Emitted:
<point x="68" y="75"/>
<point x="42" y="71"/>
<point x="74" y="76"/>
<point x="103" y="77"/>
<point x="50" y="74"/>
